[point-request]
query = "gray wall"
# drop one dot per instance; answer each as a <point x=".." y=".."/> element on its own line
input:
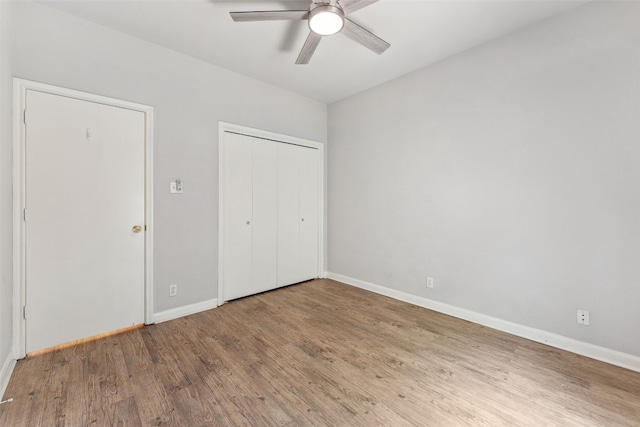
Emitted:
<point x="6" y="162"/>
<point x="189" y="97"/>
<point x="509" y="173"/>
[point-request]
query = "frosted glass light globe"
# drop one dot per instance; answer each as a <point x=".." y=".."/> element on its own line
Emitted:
<point x="326" y="20"/>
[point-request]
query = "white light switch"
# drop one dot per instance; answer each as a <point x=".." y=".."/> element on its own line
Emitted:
<point x="175" y="187"/>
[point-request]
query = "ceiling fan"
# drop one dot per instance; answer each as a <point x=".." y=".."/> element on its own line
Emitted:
<point x="326" y="17"/>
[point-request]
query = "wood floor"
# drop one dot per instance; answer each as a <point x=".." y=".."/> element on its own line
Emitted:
<point x="321" y="353"/>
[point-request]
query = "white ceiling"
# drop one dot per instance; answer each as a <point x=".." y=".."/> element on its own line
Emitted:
<point x="421" y="32"/>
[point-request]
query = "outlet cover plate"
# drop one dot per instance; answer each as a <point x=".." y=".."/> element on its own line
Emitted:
<point x="583" y="317"/>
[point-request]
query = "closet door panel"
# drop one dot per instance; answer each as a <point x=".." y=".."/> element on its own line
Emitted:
<point x="265" y="215"/>
<point x="237" y="187"/>
<point x="288" y="215"/>
<point x="308" y="238"/>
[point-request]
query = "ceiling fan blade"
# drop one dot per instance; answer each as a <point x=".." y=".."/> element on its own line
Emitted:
<point x="270" y="15"/>
<point x="367" y="39"/>
<point x="309" y="47"/>
<point x="350" y="6"/>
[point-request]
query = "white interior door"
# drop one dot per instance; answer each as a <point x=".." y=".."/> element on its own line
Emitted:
<point x="250" y="212"/>
<point x="84" y="193"/>
<point x="297" y="214"/>
<point x="308" y="179"/>
<point x="238" y="212"/>
<point x="265" y="215"/>
<point x="270" y="214"/>
<point x="288" y="214"/>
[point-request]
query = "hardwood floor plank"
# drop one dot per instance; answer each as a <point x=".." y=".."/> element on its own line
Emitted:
<point x="97" y="407"/>
<point x="126" y="413"/>
<point x="52" y="409"/>
<point x="318" y="354"/>
<point x="148" y="389"/>
<point x="32" y="394"/>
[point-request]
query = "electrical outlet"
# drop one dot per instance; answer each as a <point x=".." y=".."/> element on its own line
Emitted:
<point x="429" y="282"/>
<point x="583" y="317"/>
<point x="173" y="290"/>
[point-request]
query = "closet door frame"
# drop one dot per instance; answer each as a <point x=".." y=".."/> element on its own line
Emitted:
<point x="224" y="127"/>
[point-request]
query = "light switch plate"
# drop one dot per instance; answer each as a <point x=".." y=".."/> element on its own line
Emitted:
<point x="175" y="187"/>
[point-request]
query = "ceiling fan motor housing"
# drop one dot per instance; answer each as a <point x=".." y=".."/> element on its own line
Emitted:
<point x="316" y="3"/>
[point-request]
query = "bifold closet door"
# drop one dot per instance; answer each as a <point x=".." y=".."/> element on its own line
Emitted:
<point x="265" y="215"/>
<point x="250" y="215"/>
<point x="308" y="180"/>
<point x="297" y="214"/>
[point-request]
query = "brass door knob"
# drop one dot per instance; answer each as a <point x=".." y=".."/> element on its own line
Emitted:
<point x="136" y="229"/>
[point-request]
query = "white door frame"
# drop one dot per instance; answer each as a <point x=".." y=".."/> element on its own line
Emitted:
<point x="20" y="88"/>
<point x="263" y="134"/>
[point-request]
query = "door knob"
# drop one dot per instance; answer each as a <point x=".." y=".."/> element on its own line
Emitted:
<point x="136" y="229"/>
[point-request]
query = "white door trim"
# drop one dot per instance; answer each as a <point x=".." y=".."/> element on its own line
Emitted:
<point x="263" y="134"/>
<point x="20" y="88"/>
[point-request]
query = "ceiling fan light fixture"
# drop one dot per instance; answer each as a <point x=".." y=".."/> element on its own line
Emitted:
<point x="326" y="20"/>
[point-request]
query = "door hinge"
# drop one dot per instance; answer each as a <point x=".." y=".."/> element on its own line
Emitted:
<point x="24" y="214"/>
<point x="24" y="312"/>
<point x="24" y="116"/>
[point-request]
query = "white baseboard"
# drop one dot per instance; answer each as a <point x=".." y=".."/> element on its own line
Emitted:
<point x="592" y="351"/>
<point x="5" y="373"/>
<point x="185" y="310"/>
